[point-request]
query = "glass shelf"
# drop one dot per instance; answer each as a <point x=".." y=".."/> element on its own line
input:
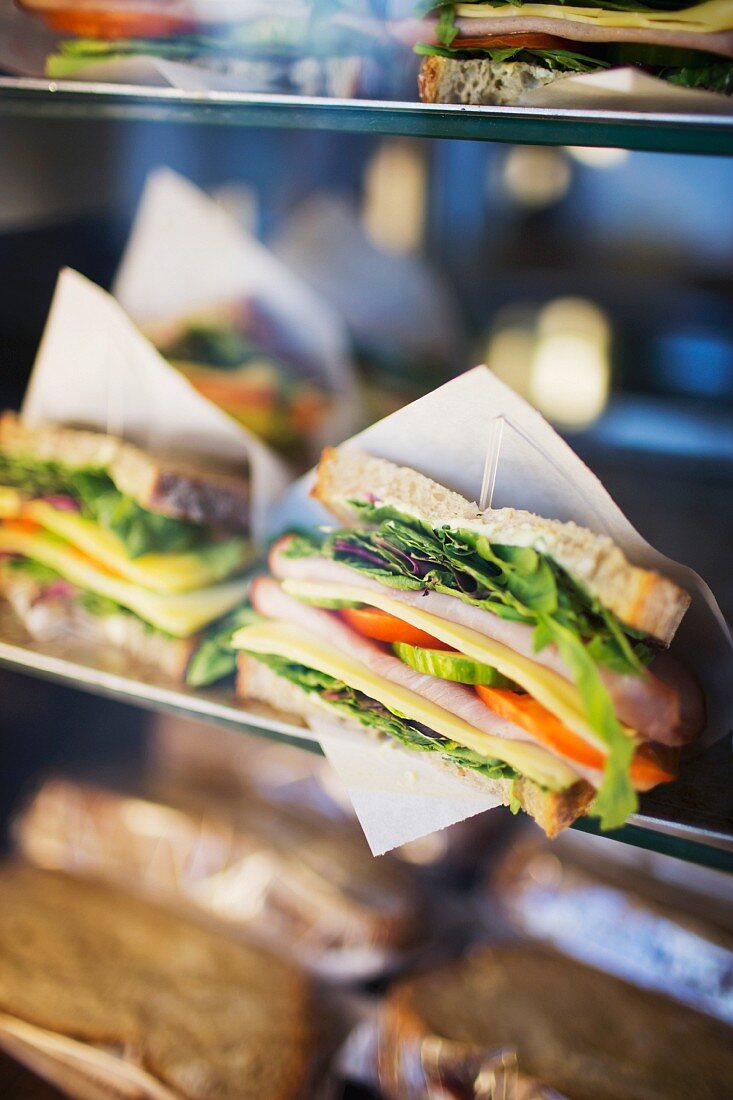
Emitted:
<point x="691" y="819"/>
<point x="672" y="133"/>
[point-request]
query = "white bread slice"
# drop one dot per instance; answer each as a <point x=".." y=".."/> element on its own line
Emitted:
<point x="192" y="490"/>
<point x="45" y="620"/>
<point x="641" y="598"/>
<point x="552" y="810"/>
<point x="480" y="81"/>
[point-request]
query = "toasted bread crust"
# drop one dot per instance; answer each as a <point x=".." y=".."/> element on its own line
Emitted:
<point x="189" y="491"/>
<point x="552" y="810"/>
<point x="641" y="598"/>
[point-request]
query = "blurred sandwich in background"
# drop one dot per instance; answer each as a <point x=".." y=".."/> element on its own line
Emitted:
<point x="119" y="545"/>
<point x="253" y="365"/>
<point x="313" y="49"/>
<point x="108" y="996"/>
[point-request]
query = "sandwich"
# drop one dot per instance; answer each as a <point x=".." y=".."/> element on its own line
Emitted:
<point x="534" y="1024"/>
<point x="308" y="48"/>
<point x="140" y="1003"/>
<point x="492" y="53"/>
<point x="253" y="366"/>
<point x="524" y="653"/>
<point x="127" y="549"/>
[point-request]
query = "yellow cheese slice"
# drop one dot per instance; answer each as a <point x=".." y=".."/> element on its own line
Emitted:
<point x="707" y="18"/>
<point x="11" y="503"/>
<point x="296" y="644"/>
<point x="180" y="614"/>
<point x="554" y="692"/>
<point x="158" y="572"/>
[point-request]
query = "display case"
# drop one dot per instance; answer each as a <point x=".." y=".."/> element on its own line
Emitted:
<point x="500" y="245"/>
<point x="629" y="129"/>
<point x="583" y="253"/>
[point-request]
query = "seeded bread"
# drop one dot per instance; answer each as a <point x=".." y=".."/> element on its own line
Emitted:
<point x="552" y="810"/>
<point x="192" y="491"/>
<point x="212" y="1019"/>
<point x="48" y="618"/>
<point x="480" y="81"/>
<point x="641" y="598"/>
<point x="581" y="1032"/>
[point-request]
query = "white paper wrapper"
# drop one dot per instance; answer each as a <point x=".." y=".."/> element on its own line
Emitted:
<point x="80" y="1070"/>
<point x="186" y="252"/>
<point x="445" y="435"/>
<point x="398" y="793"/>
<point x="623" y="90"/>
<point x="95" y="369"/>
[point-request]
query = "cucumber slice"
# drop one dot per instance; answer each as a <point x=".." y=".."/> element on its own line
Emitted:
<point x="329" y="605"/>
<point x="451" y="666"/>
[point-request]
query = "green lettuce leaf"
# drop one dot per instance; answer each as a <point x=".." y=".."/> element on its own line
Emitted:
<point x="423" y="7"/>
<point x="556" y="60"/>
<point x="40" y="573"/>
<point x="353" y="704"/>
<point x="215" y="659"/>
<point x="446" y="29"/>
<point x="717" y="77"/>
<point x="213" y="345"/>
<point x="141" y="531"/>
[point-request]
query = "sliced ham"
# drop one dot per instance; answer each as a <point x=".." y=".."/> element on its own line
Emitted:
<point x="412" y="31"/>
<point x="645" y="703"/>
<point x="268" y="598"/>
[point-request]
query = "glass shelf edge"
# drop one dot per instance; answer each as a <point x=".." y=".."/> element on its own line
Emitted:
<point x="700" y="135"/>
<point x="655" y="839"/>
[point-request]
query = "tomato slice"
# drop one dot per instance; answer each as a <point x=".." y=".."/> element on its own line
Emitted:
<point x="22" y="526"/>
<point x="101" y="23"/>
<point x="512" y="41"/>
<point x="383" y="627"/>
<point x="649" y="766"/>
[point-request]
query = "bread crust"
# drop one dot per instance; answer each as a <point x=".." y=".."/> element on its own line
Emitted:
<point x="480" y="82"/>
<point x="641" y="598"/>
<point x="170" y="656"/>
<point x="552" y="810"/>
<point x="193" y="491"/>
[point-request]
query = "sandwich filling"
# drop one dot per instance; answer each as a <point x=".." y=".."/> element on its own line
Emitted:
<point x="266" y="44"/>
<point x="80" y="539"/>
<point x="243" y="359"/>
<point x="691" y="46"/>
<point x="492" y="655"/>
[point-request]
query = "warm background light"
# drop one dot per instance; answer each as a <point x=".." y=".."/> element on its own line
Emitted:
<point x="536" y="177"/>
<point x="571" y="364"/>
<point x="393" y="213"/>
<point x="594" y="157"/>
